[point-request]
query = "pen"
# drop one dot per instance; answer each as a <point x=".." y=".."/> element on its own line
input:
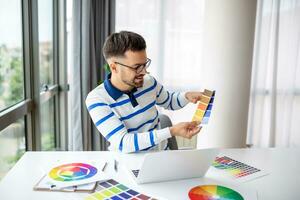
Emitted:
<point x="52" y="187"/>
<point x="116" y="165"/>
<point x="104" y="166"/>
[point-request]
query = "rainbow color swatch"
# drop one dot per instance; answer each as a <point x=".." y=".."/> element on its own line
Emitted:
<point x="114" y="190"/>
<point x="213" y="192"/>
<point x="234" y="168"/>
<point x="204" y="107"/>
<point x="72" y="172"/>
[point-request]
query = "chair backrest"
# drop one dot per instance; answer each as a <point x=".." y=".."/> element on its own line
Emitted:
<point x="165" y="121"/>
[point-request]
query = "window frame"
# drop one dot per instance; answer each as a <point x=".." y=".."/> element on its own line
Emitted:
<point x="29" y="108"/>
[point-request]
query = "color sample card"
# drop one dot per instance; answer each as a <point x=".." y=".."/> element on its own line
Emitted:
<point x="236" y="170"/>
<point x="214" y="192"/>
<point x="114" y="190"/>
<point x="204" y="107"/>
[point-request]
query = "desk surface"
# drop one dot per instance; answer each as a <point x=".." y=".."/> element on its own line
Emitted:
<point x="282" y="183"/>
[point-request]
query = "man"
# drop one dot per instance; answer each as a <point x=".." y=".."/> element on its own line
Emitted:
<point x="123" y="108"/>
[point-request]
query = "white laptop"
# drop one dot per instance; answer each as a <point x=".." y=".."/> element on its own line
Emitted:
<point x="169" y="165"/>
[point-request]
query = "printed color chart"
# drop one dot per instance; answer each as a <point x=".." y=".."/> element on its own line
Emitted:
<point x="213" y="192"/>
<point x="114" y="190"/>
<point x="72" y="172"/>
<point x="203" y="110"/>
<point x="234" y="168"/>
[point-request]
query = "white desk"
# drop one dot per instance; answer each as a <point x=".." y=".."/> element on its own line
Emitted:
<point x="283" y="182"/>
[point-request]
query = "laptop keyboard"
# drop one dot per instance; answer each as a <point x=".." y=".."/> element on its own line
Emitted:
<point x="136" y="172"/>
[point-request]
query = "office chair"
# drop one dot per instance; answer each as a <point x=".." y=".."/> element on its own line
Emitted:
<point x="165" y="121"/>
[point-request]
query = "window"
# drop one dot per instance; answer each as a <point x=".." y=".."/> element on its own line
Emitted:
<point x="12" y="143"/>
<point x="275" y="88"/>
<point x="46" y="64"/>
<point x="48" y="125"/>
<point x="11" y="55"/>
<point x="45" y="13"/>
<point x="32" y="66"/>
<point x="12" y="138"/>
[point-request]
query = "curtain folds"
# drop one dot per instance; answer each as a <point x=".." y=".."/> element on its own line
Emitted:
<point x="275" y="89"/>
<point x="92" y="22"/>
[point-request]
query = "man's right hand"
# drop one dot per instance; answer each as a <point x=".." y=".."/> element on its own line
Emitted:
<point x="185" y="129"/>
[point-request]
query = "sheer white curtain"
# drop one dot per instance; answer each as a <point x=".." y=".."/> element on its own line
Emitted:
<point x="275" y="87"/>
<point x="173" y="30"/>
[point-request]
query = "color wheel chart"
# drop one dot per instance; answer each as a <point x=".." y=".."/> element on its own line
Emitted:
<point x="203" y="110"/>
<point x="114" y="190"/>
<point x="72" y="172"/>
<point x="213" y="192"/>
<point x="237" y="170"/>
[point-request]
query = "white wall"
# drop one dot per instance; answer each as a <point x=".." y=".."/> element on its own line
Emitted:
<point x="229" y="35"/>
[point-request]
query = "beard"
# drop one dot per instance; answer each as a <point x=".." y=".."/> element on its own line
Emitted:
<point x="137" y="82"/>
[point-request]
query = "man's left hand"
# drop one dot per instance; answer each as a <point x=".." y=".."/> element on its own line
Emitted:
<point x="193" y="97"/>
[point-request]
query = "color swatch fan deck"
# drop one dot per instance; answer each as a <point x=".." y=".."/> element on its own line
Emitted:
<point x="204" y="107"/>
<point x="214" y="192"/>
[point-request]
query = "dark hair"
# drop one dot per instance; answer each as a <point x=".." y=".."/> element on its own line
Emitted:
<point x="118" y="43"/>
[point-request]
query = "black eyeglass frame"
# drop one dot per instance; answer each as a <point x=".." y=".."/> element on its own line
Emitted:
<point x="137" y="68"/>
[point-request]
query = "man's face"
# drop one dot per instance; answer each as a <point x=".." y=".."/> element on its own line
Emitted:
<point x="128" y="75"/>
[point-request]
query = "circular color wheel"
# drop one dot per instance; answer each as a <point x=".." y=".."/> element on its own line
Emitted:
<point x="213" y="192"/>
<point x="72" y="172"/>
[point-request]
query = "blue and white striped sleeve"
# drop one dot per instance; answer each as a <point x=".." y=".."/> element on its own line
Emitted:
<point x="170" y="100"/>
<point x="114" y="130"/>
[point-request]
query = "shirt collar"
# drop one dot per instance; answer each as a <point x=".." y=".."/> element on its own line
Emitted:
<point x="114" y="92"/>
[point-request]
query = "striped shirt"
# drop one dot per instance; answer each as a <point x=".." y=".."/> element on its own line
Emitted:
<point x="129" y="122"/>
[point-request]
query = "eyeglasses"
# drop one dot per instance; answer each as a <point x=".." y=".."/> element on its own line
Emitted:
<point x="139" y="67"/>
